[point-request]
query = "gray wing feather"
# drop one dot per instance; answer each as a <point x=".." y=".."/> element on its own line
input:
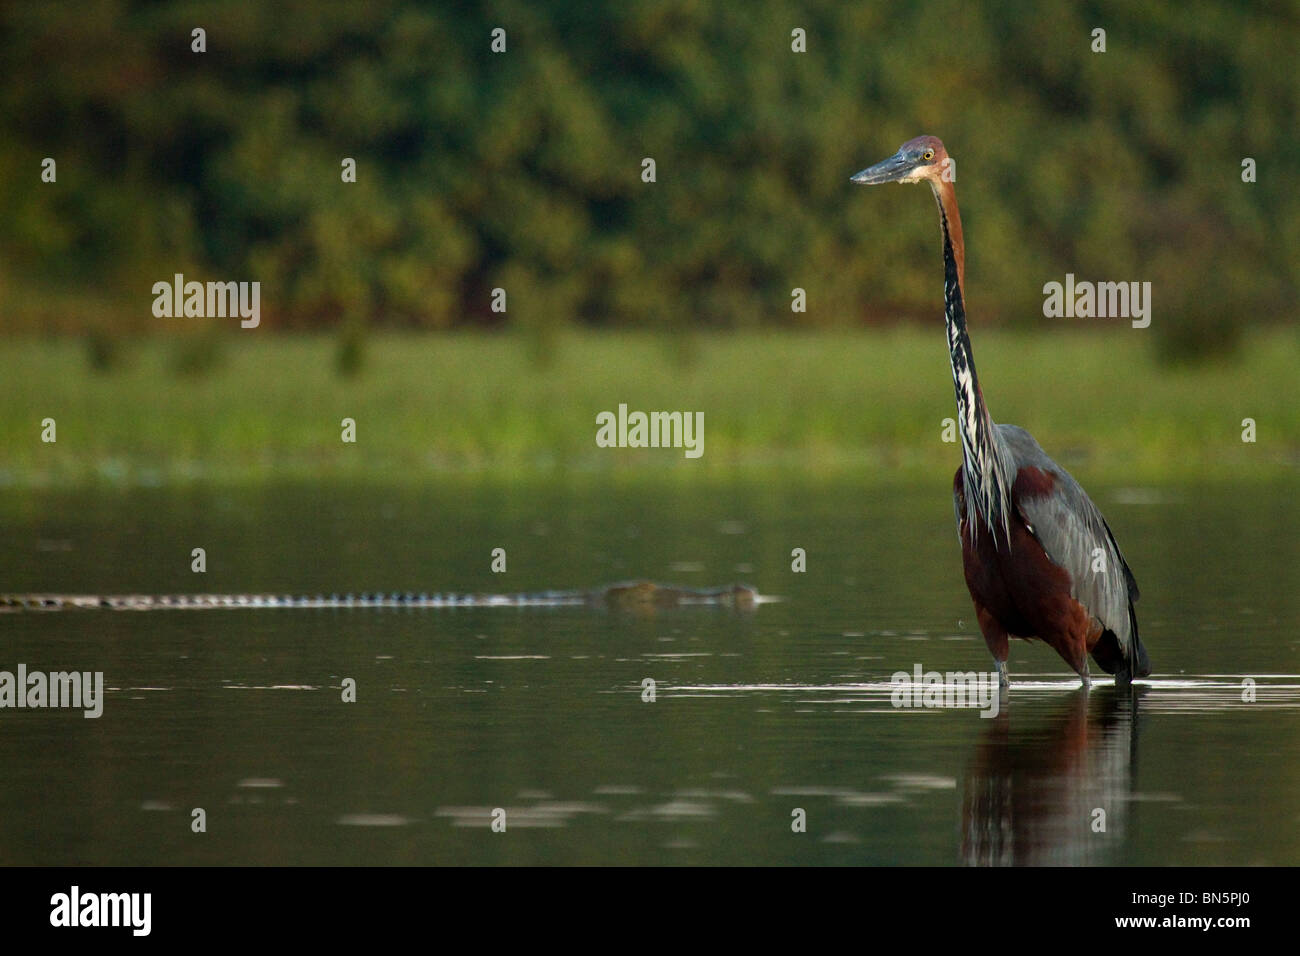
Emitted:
<point x="1071" y="529"/>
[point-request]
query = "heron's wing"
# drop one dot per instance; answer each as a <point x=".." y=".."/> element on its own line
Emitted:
<point x="1130" y="581"/>
<point x="1076" y="537"/>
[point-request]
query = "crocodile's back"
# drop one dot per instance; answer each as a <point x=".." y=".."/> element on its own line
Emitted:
<point x="646" y="595"/>
<point x="642" y="596"/>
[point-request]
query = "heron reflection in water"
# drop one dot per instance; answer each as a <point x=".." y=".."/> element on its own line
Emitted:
<point x="1032" y="791"/>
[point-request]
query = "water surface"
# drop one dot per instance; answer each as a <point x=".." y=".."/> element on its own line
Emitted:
<point x="540" y="712"/>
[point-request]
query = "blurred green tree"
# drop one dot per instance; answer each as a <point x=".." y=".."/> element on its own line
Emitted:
<point x="522" y="169"/>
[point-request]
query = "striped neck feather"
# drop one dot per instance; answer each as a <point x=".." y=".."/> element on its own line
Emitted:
<point x="986" y="483"/>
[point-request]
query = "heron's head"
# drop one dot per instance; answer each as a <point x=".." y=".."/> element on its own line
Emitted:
<point x="918" y="160"/>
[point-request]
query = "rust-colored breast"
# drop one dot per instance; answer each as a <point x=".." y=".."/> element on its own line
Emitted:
<point x="1020" y="587"/>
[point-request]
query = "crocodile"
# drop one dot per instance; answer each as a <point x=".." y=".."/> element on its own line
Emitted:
<point x="640" y="596"/>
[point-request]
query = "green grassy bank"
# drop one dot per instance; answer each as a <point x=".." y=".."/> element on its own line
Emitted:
<point x="871" y="402"/>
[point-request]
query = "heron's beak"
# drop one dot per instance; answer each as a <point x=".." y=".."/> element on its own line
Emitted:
<point x="890" y="170"/>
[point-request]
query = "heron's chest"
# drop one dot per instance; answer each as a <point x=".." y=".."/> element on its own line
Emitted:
<point x="1015" y="581"/>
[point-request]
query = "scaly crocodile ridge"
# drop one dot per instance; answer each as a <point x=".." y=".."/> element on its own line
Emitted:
<point x="628" y="595"/>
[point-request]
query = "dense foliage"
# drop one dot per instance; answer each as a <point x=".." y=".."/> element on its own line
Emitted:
<point x="523" y="169"/>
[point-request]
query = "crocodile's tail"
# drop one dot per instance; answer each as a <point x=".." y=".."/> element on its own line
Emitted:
<point x="161" y="602"/>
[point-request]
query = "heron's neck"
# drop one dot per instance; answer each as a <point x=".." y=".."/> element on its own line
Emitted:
<point x="985" y="484"/>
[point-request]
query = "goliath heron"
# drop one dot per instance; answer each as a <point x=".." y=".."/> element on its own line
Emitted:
<point x="1039" y="558"/>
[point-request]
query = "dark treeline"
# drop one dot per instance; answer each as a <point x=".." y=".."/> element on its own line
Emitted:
<point x="523" y="169"/>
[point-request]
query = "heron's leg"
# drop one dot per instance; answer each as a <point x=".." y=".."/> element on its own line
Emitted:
<point x="995" y="637"/>
<point x="1083" y="676"/>
<point x="1124" y="682"/>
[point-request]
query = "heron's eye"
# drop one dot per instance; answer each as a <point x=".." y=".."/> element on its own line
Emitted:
<point x="928" y="154"/>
